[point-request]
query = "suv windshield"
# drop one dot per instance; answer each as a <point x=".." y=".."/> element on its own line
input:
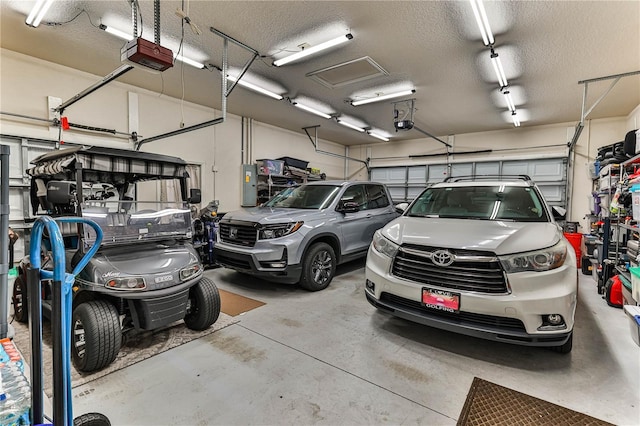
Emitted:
<point x="305" y="197"/>
<point x="494" y="202"/>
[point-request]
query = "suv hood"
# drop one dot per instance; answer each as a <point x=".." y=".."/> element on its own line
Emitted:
<point x="269" y="215"/>
<point x="499" y="237"/>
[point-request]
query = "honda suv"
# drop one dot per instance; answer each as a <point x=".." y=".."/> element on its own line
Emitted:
<point x="478" y="257"/>
<point x="303" y="232"/>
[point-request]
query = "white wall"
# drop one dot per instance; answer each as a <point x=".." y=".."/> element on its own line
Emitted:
<point x="26" y="82"/>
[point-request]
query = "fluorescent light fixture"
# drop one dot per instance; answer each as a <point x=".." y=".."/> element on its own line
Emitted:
<point x="383" y="97"/>
<point x="482" y="21"/>
<point x="313" y="49"/>
<point x="116" y="32"/>
<point x="189" y="61"/>
<point x="255" y="88"/>
<point x="378" y="136"/>
<point x="514" y="116"/>
<point x="510" y="104"/>
<point x="37" y="13"/>
<point x="351" y="126"/>
<point x="497" y="67"/>
<point x="312" y="110"/>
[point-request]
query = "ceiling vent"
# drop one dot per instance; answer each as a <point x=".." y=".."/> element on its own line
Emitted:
<point x="348" y="72"/>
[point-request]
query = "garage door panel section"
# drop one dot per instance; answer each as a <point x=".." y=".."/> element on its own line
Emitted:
<point x="21" y="152"/>
<point x="549" y="174"/>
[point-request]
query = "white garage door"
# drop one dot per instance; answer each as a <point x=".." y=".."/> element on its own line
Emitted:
<point x="21" y="152"/>
<point x="406" y="182"/>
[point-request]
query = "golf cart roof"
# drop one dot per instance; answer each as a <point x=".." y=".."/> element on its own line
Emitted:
<point x="136" y="165"/>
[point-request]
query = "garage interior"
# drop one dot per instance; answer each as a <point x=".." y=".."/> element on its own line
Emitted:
<point x="410" y="94"/>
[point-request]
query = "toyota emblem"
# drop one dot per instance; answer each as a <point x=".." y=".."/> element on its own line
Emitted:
<point x="233" y="233"/>
<point x="442" y="257"/>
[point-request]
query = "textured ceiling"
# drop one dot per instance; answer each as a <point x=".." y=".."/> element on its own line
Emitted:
<point x="434" y="47"/>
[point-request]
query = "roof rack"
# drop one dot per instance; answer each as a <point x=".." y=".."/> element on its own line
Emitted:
<point x="525" y="178"/>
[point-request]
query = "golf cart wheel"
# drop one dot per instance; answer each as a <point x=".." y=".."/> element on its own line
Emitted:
<point x="20" y="301"/>
<point x="204" y="305"/>
<point x="565" y="348"/>
<point x="318" y="267"/>
<point x="96" y="336"/>
<point x="91" y="419"/>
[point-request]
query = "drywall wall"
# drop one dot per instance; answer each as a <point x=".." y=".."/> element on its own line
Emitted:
<point x="26" y="83"/>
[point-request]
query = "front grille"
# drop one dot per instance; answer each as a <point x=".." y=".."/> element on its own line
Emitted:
<point x="239" y="233"/>
<point x="238" y="262"/>
<point x="460" y="318"/>
<point x="471" y="270"/>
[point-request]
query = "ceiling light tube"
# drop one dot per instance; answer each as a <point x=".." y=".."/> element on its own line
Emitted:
<point x="311" y="110"/>
<point x="383" y="97"/>
<point x="351" y="126"/>
<point x="482" y="21"/>
<point x="510" y="104"/>
<point x="37" y="13"/>
<point x="514" y="116"/>
<point x="116" y="32"/>
<point x="189" y="61"/>
<point x="378" y="136"/>
<point x="497" y="67"/>
<point x="313" y="49"/>
<point x="255" y="88"/>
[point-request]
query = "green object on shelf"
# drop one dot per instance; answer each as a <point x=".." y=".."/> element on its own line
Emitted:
<point x="625" y="281"/>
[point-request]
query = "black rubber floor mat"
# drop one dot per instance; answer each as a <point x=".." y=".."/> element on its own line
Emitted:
<point x="491" y="404"/>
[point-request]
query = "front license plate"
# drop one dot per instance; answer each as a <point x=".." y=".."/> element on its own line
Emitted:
<point x="441" y="300"/>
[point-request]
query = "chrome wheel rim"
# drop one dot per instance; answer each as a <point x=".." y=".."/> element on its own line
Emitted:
<point x="321" y="266"/>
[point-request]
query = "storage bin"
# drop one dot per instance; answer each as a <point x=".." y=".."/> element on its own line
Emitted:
<point x="633" y="312"/>
<point x="635" y="202"/>
<point x="294" y="162"/>
<point x="635" y="283"/>
<point x="576" y="242"/>
<point x="270" y="167"/>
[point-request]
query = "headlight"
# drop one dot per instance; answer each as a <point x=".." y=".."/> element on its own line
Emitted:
<point x="383" y="245"/>
<point x="277" y="231"/>
<point x="189" y="272"/>
<point x="127" y="283"/>
<point x="540" y="260"/>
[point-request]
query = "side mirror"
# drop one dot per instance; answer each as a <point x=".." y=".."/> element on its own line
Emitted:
<point x="348" y="207"/>
<point x="195" y="196"/>
<point x="401" y="207"/>
<point x="558" y="212"/>
<point x="61" y="193"/>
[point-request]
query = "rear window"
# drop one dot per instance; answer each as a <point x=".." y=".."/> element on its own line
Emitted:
<point x="499" y="202"/>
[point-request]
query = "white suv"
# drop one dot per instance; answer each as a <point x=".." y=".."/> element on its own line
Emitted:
<point x="478" y="257"/>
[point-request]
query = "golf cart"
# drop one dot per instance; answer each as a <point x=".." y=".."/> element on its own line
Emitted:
<point x="146" y="274"/>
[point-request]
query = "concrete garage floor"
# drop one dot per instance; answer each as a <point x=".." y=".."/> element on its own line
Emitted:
<point x="330" y="358"/>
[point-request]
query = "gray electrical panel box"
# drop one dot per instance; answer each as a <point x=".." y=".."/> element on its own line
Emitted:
<point x="249" y="189"/>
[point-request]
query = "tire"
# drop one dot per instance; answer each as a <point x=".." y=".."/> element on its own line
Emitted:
<point x="318" y="267"/>
<point x="96" y="335"/>
<point x="566" y="347"/>
<point x="91" y="419"/>
<point x="204" y="305"/>
<point x="20" y="300"/>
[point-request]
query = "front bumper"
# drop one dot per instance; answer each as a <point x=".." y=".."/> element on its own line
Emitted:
<point x="259" y="261"/>
<point x="514" y="318"/>
<point x="150" y="309"/>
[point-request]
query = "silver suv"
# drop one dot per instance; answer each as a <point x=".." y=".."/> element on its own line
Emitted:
<point x="483" y="258"/>
<point x="303" y="232"/>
